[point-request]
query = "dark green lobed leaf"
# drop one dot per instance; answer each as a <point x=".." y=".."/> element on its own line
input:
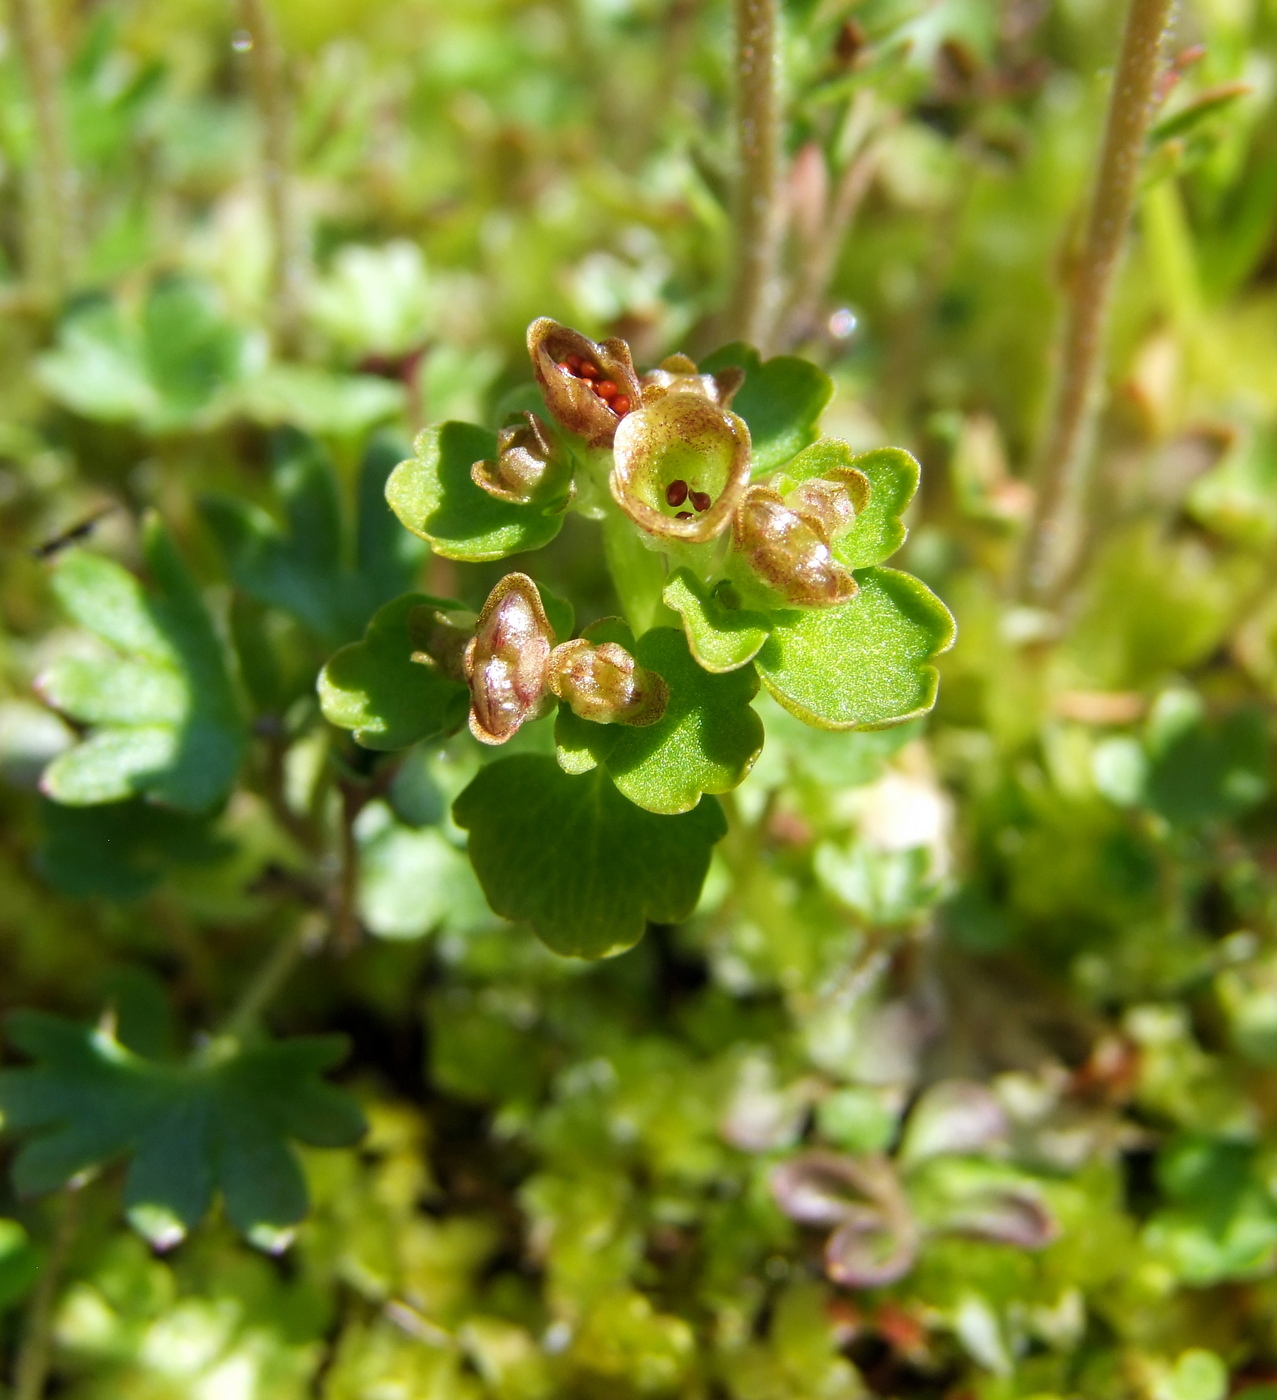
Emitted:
<point x="721" y="638"/>
<point x="587" y="868"/>
<point x="220" y="1122"/>
<point x="167" y="723"/>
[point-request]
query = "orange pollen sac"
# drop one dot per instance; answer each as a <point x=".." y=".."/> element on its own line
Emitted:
<point x="572" y="364"/>
<point x="700" y="500"/>
<point x="588" y="370"/>
<point x="605" y="389"/>
<point x="620" y="405"/>
<point x="676" y="493"/>
<point x="565" y="367"/>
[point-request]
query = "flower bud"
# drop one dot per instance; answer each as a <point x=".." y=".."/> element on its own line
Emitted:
<point x="605" y="684"/>
<point x="790" y="550"/>
<point x="507" y="661"/>
<point x="527" y="467"/>
<point x="681" y="464"/>
<point x="677" y="375"/>
<point x="588" y="387"/>
<point x="439" y="640"/>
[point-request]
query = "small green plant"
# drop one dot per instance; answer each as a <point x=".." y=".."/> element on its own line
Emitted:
<point x="745" y="549"/>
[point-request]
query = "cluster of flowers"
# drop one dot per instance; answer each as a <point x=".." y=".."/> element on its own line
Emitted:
<point x="680" y="471"/>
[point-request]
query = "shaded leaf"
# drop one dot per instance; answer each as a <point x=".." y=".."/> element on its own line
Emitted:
<point x="706" y="741"/>
<point x="303" y="567"/>
<point x="583" y="864"/>
<point x="220" y="1122"/>
<point x="434" y="495"/>
<point x="165" y="721"/>
<point x="375" y="689"/>
<point x="781" y="401"/>
<point x="864" y="664"/>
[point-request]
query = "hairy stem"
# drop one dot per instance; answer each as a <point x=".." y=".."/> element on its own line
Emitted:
<point x="31" y="1368"/>
<point x="270" y="93"/>
<point x="1064" y="465"/>
<point x="50" y="233"/>
<point x="759" y="212"/>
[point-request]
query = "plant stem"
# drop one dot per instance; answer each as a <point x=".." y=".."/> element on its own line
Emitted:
<point x="759" y="211"/>
<point x="270" y="977"/>
<point x="50" y="223"/>
<point x="1051" y="546"/>
<point x="31" y="1369"/>
<point x="270" y="92"/>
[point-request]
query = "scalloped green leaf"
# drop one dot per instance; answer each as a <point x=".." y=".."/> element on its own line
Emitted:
<point x="781" y="400"/>
<point x="303" y="566"/>
<point x="721" y="638"/>
<point x="865" y="664"/>
<point x="893" y="478"/>
<point x="165" y="723"/>
<point x="434" y="496"/>
<point x="375" y="689"/>
<point x="587" y="868"/>
<point x="218" y="1122"/>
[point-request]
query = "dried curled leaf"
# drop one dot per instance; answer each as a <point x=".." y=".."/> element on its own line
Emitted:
<point x="588" y="387"/>
<point x="605" y="684"/>
<point x="681" y="466"/>
<point x="507" y="661"/>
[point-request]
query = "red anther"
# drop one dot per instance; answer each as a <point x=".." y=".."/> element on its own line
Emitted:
<point x="620" y="405"/>
<point x="676" y="493"/>
<point x="573" y="363"/>
<point x="588" y="370"/>
<point x="605" y="389"/>
<point x="566" y="368"/>
<point x="683" y="515"/>
<point x="700" y="499"/>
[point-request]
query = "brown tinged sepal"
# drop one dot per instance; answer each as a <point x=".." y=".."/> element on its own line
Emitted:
<point x="589" y="388"/>
<point x="681" y="465"/>
<point x="528" y="469"/>
<point x="787" y="540"/>
<point x="605" y="684"/>
<point x="677" y="374"/>
<point x="507" y="661"/>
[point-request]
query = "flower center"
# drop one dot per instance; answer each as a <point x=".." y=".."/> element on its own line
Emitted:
<point x="679" y="491"/>
<point x="581" y="368"/>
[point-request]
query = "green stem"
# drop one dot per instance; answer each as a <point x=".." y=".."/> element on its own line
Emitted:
<point x="50" y="222"/>
<point x="270" y="92"/>
<point x="638" y="574"/>
<point x="1051" y="546"/>
<point x="759" y="212"/>
<point x="31" y="1369"/>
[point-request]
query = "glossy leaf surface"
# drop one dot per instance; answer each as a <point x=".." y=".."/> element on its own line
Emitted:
<point x="721" y="638"/>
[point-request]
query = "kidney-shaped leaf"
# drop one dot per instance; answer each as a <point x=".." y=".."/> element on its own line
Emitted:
<point x="864" y="664"/>
<point x="585" y="866"/>
<point x="164" y="719"/>
<point x="220" y="1122"/>
<point x="434" y="495"/>
<point x="376" y="689"/>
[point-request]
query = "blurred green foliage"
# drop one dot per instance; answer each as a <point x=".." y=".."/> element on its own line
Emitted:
<point x="1051" y="905"/>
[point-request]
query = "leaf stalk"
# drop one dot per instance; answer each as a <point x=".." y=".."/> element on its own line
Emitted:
<point x="1064" y="466"/>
